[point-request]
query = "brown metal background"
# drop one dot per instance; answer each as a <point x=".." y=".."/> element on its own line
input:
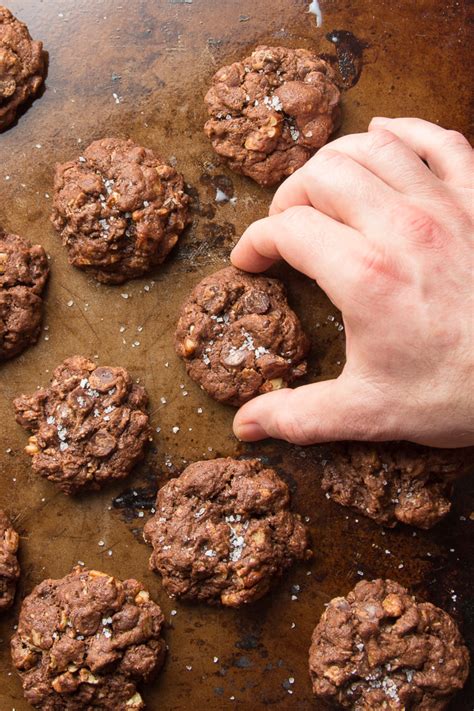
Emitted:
<point x="157" y="57"/>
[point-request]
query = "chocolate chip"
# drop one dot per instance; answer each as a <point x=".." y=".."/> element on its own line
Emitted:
<point x="257" y="302"/>
<point x="102" y="379"/>
<point x="102" y="444"/>
<point x="234" y="358"/>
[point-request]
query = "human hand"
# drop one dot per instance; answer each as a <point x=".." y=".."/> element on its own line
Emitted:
<point x="390" y="240"/>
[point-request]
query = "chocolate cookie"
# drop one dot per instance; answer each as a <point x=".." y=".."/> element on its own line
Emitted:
<point x="395" y="482"/>
<point x="23" y="275"/>
<point x="119" y="209"/>
<point x="9" y="568"/>
<point x="90" y="425"/>
<point x="378" y="648"/>
<point x="223" y="531"/>
<point x="271" y="111"/>
<point x="239" y="337"/>
<point x="22" y="66"/>
<point x="86" y="641"/>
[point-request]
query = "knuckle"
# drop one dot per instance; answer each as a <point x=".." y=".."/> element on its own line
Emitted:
<point x="291" y="430"/>
<point x="421" y="229"/>
<point x="293" y="426"/>
<point x="376" y="271"/>
<point x="296" y="216"/>
<point x="255" y="229"/>
<point x="380" y="139"/>
<point x="375" y="263"/>
<point x="455" y="138"/>
<point x="328" y="157"/>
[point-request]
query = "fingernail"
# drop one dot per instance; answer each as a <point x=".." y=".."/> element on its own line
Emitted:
<point x="249" y="432"/>
<point x="379" y="119"/>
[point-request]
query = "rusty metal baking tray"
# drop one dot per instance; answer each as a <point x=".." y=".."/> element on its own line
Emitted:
<point x="140" y="69"/>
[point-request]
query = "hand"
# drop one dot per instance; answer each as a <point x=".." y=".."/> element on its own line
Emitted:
<point x="390" y="240"/>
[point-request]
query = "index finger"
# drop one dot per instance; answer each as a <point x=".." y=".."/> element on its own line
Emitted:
<point x="311" y="242"/>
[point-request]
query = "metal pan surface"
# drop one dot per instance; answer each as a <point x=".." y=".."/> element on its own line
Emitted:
<point x="140" y="69"/>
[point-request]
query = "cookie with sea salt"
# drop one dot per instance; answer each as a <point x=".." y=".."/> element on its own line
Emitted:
<point x="223" y="532"/>
<point x="90" y="426"/>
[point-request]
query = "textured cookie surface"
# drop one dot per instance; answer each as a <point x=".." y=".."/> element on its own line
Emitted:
<point x="119" y="209"/>
<point x="22" y="66"/>
<point x="271" y="111"/>
<point x="239" y="337"/>
<point x="396" y="483"/>
<point x="89" y="426"/>
<point x="9" y="568"/>
<point x="223" y="531"/>
<point x="378" y="648"/>
<point x="85" y="642"/>
<point x="23" y="275"/>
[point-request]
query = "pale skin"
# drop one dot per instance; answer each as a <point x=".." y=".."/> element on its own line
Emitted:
<point x="390" y="239"/>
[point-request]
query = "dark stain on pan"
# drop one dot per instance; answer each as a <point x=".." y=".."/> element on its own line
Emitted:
<point x="220" y="235"/>
<point x="248" y="641"/>
<point x="349" y="56"/>
<point x="209" y="245"/>
<point x="221" y="182"/>
<point x="199" y="207"/>
<point x="136" y="501"/>
<point x="132" y="501"/>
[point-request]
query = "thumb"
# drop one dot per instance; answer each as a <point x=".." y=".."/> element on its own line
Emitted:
<point x="331" y="410"/>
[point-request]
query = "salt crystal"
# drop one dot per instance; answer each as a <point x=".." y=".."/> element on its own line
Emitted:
<point x="295" y="134"/>
<point x="221" y="196"/>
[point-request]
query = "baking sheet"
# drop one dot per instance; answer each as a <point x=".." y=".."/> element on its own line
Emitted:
<point x="140" y="69"/>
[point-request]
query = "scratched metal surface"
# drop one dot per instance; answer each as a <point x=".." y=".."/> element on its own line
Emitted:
<point x="157" y="58"/>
